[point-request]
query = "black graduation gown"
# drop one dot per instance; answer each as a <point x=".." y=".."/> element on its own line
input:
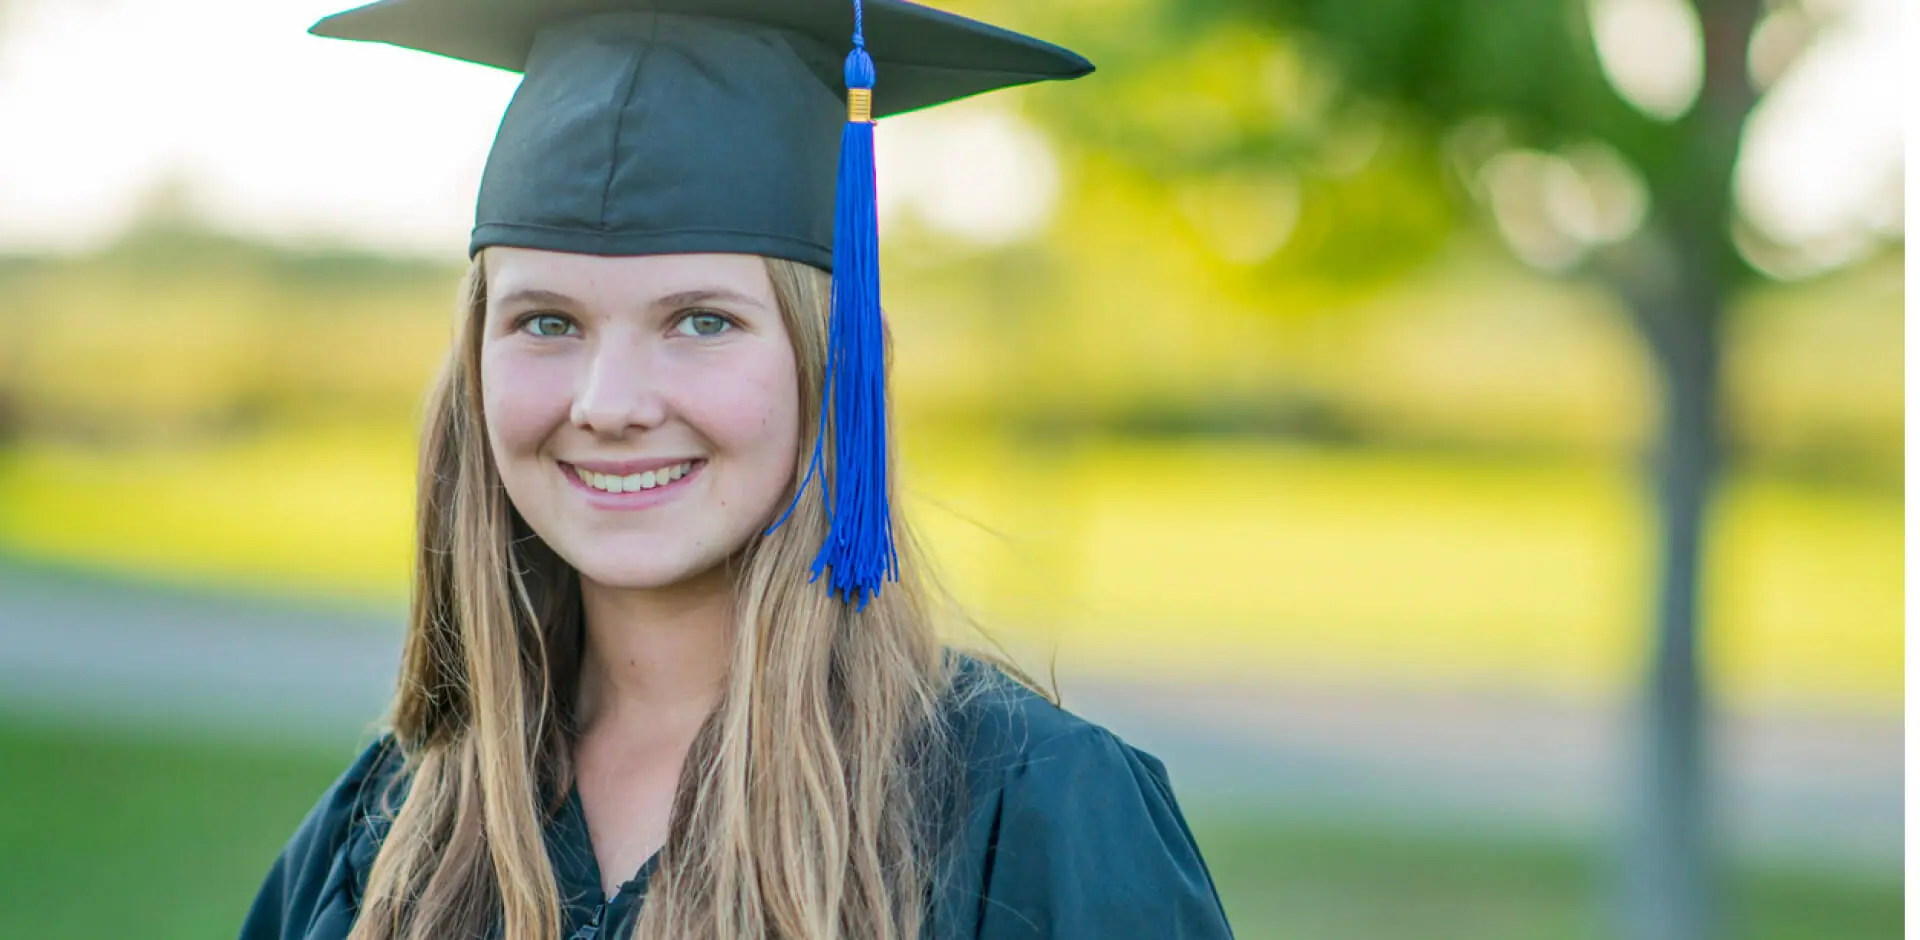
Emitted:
<point x="1070" y="834"/>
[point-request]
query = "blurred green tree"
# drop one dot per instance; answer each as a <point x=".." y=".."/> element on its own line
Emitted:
<point x="1372" y="111"/>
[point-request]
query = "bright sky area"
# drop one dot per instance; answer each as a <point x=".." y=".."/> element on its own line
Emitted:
<point x="289" y="136"/>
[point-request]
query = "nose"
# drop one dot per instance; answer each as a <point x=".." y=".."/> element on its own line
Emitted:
<point x="619" y="389"/>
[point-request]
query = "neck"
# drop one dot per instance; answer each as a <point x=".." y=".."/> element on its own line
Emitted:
<point x="654" y="658"/>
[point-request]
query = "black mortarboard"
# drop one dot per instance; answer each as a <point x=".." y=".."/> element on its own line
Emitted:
<point x="737" y="126"/>
<point x="663" y="126"/>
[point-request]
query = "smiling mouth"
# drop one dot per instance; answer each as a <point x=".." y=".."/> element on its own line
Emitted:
<point x="632" y="482"/>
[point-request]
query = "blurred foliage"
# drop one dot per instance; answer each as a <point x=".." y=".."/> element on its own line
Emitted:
<point x="1344" y="102"/>
<point x="184" y="830"/>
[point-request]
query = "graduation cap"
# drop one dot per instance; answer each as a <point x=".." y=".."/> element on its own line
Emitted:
<point x="738" y="126"/>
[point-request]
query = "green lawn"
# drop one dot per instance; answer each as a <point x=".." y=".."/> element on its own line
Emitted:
<point x="111" y="834"/>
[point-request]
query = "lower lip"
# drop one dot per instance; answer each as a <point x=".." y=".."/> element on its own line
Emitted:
<point x="638" y="499"/>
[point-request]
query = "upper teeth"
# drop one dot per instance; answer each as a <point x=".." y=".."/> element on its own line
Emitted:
<point x="633" y="481"/>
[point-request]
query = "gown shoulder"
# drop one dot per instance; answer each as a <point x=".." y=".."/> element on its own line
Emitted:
<point x="312" y="890"/>
<point x="1070" y="832"/>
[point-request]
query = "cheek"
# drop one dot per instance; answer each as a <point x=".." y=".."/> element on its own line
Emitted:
<point x="752" y="406"/>
<point x="524" y="399"/>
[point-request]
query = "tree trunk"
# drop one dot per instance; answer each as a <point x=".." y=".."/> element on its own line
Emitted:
<point x="1669" y="862"/>
<point x="1679" y="303"/>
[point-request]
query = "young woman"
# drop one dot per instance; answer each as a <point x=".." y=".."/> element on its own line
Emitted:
<point x="638" y="696"/>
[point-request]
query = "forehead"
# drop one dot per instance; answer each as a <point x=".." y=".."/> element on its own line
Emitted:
<point x="606" y="278"/>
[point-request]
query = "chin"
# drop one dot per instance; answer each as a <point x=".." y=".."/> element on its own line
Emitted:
<point x="648" y="560"/>
<point x="651" y="576"/>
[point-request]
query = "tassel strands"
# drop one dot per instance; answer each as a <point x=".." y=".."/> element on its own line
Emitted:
<point x="858" y="555"/>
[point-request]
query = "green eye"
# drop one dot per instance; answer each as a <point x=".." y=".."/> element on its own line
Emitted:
<point x="704" y="323"/>
<point x="547" y="324"/>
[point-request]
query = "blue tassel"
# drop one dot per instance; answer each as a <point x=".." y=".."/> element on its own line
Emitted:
<point x="859" y="551"/>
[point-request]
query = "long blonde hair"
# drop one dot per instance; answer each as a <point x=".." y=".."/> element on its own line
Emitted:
<point x="808" y="807"/>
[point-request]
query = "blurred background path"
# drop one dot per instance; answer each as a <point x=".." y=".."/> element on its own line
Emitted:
<point x="97" y="649"/>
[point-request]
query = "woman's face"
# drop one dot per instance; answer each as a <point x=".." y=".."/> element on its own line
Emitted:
<point x="643" y="411"/>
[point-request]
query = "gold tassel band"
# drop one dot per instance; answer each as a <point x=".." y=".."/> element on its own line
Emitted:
<point x="860" y="104"/>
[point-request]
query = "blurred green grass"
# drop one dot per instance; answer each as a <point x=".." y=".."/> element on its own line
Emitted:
<point x="1293" y="879"/>
<point x="108" y="833"/>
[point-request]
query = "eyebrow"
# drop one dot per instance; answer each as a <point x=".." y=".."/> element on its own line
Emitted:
<point x="685" y="298"/>
<point x="534" y="295"/>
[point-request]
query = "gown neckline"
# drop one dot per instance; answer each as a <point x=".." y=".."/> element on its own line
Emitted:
<point x="574" y="817"/>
